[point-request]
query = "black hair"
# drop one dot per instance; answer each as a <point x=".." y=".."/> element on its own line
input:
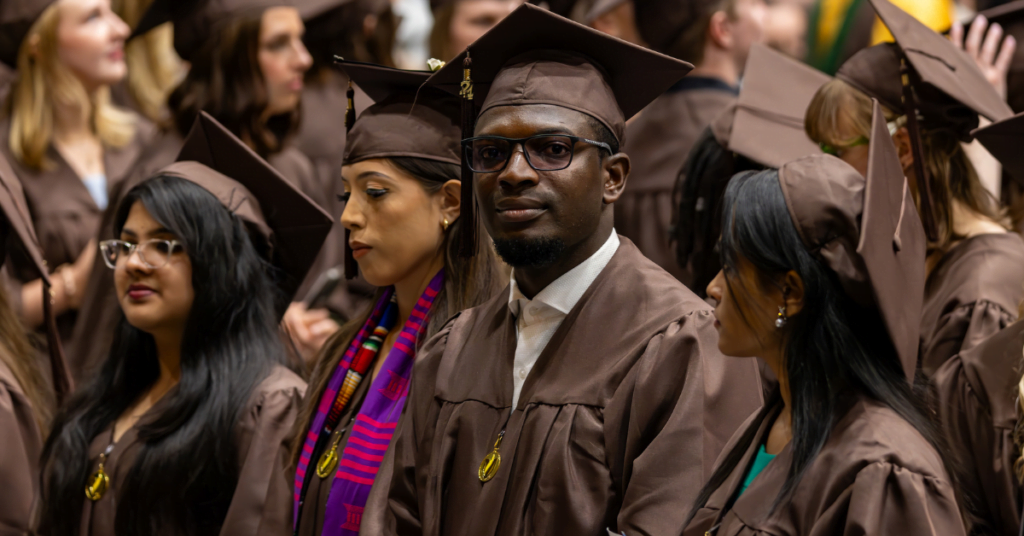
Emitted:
<point x="832" y="353"/>
<point x="186" y="470"/>
<point x="602" y="133"/>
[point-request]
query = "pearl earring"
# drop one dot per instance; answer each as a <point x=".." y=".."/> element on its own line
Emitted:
<point x="780" y="322"/>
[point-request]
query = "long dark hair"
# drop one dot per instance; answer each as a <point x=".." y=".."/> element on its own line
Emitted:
<point x="467" y="283"/>
<point x="225" y="81"/>
<point x="231" y="343"/>
<point x="832" y="352"/>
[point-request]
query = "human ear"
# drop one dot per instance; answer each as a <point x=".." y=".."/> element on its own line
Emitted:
<point x="450" y="198"/>
<point x="719" y="30"/>
<point x="616" y="169"/>
<point x="793" y="292"/>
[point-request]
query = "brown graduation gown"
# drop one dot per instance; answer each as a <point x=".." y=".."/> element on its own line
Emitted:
<point x="619" y="421"/>
<point x="976" y="401"/>
<point x="876" y="475"/>
<point x="19" y="455"/>
<point x="970" y="295"/>
<point x="100" y="310"/>
<point x="658" y="142"/>
<point x="321" y="137"/>
<point x="63" y="212"/>
<point x="262" y="503"/>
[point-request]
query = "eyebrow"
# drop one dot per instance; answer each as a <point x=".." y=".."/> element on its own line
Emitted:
<point x="543" y="131"/>
<point x="157" y="231"/>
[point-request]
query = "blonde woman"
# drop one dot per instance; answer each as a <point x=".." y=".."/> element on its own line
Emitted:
<point x="66" y="142"/>
<point x="153" y="66"/>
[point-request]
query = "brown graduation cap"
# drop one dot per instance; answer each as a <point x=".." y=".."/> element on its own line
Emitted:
<point x="196" y="20"/>
<point x="406" y="121"/>
<point x="867" y="231"/>
<point x="16" y="19"/>
<point x="768" y="125"/>
<point x="1005" y="140"/>
<point x="19" y="225"/>
<point x="292" y="228"/>
<point x="536" y="57"/>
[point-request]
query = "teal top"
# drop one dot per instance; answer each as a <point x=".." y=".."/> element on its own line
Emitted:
<point x="760" y="462"/>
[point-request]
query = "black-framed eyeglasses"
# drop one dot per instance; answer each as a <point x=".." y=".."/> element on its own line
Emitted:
<point x="544" y="152"/>
<point x="154" y="253"/>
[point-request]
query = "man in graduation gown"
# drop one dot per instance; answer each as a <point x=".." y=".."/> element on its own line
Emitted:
<point x="590" y="394"/>
<point x="715" y="35"/>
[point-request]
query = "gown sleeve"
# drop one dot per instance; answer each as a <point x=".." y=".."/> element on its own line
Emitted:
<point x="19" y="455"/>
<point x="262" y="503"/>
<point x="412" y="443"/>
<point x="682" y="405"/>
<point x="985" y="453"/>
<point x="888" y="499"/>
<point x="964" y="328"/>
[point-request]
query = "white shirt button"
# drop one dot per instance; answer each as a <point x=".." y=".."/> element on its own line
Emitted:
<point x="522" y="374"/>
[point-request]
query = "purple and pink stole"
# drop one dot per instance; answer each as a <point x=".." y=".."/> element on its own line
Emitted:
<point x="375" y="423"/>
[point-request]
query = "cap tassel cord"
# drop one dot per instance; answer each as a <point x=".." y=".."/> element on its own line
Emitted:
<point x="62" y="383"/>
<point x="351" y="268"/>
<point x="923" y="185"/>
<point x="467" y="231"/>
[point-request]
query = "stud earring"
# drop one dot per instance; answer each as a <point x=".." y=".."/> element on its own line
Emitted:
<point x="444" y="224"/>
<point x="780" y="322"/>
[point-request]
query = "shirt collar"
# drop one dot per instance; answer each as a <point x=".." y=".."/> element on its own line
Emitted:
<point x="563" y="293"/>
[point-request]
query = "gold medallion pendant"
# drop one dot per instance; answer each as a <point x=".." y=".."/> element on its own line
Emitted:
<point x="489" y="467"/>
<point x="329" y="460"/>
<point x="98" y="484"/>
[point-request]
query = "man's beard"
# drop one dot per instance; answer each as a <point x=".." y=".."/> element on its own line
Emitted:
<point x="529" y="252"/>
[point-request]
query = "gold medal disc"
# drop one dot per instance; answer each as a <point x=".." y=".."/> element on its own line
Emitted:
<point x="327" y="463"/>
<point x="489" y="467"/>
<point x="99" y="482"/>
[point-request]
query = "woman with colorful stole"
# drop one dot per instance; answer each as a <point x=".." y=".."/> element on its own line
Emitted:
<point x="823" y="279"/>
<point x="67" y="143"/>
<point x="974" y="278"/>
<point x="402" y="202"/>
<point x="186" y="428"/>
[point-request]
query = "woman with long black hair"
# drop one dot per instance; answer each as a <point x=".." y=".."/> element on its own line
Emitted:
<point x="823" y="279"/>
<point x="185" y="428"/>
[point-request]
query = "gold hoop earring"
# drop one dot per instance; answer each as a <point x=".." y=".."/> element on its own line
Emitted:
<point x="444" y="224"/>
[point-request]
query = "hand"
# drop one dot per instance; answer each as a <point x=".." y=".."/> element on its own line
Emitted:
<point x="985" y="49"/>
<point x="309" y="329"/>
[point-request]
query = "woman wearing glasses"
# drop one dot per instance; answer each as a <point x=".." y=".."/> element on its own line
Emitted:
<point x="974" y="276"/>
<point x="402" y="196"/>
<point x="185" y="428"/>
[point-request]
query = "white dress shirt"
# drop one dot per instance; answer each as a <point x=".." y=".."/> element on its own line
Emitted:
<point x="539" y="318"/>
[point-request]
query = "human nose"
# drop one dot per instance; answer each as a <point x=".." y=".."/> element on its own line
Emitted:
<point x="715" y="286"/>
<point x="518" y="173"/>
<point x="134" y="263"/>
<point x="352" y="218"/>
<point x="303" y="59"/>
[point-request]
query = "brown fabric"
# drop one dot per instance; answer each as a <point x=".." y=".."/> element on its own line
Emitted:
<point x="971" y="294"/>
<point x="866" y="230"/>
<point x="614" y="427"/>
<point x="100" y="310"/>
<point x="769" y="120"/>
<point x="406" y="121"/>
<point x="876" y="474"/>
<point x="536" y="57"/>
<point x="1003" y="139"/>
<point x="940" y="64"/>
<point x="976" y="403"/>
<point x="64" y="214"/>
<point x="262" y="502"/>
<point x="19" y="457"/>
<point x="16" y="19"/>
<point x="662" y="22"/>
<point x="196" y="20"/>
<point x="658" y="141"/>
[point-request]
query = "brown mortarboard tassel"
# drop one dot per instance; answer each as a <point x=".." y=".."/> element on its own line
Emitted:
<point x="62" y="384"/>
<point x="923" y="186"/>
<point x="467" y="231"/>
<point x="351" y="268"/>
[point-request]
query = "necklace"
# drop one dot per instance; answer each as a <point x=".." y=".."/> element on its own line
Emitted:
<point x="99" y="482"/>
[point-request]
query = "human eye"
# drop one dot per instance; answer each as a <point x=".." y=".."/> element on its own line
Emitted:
<point x="490" y="151"/>
<point x="345" y="197"/>
<point x="556" y="147"/>
<point x="376" y="192"/>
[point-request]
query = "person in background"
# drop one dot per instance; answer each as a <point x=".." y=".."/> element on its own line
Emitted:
<point x="761" y="130"/>
<point x="616" y="18"/>
<point x="28" y="395"/>
<point x="974" y="278"/>
<point x="457" y="23"/>
<point x="823" y="277"/>
<point x="588" y="395"/>
<point x="246" y="67"/>
<point x="67" y="144"/>
<point x="716" y="37"/>
<point x="153" y="66"/>
<point x="194" y="399"/>
<point x="402" y="195"/>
